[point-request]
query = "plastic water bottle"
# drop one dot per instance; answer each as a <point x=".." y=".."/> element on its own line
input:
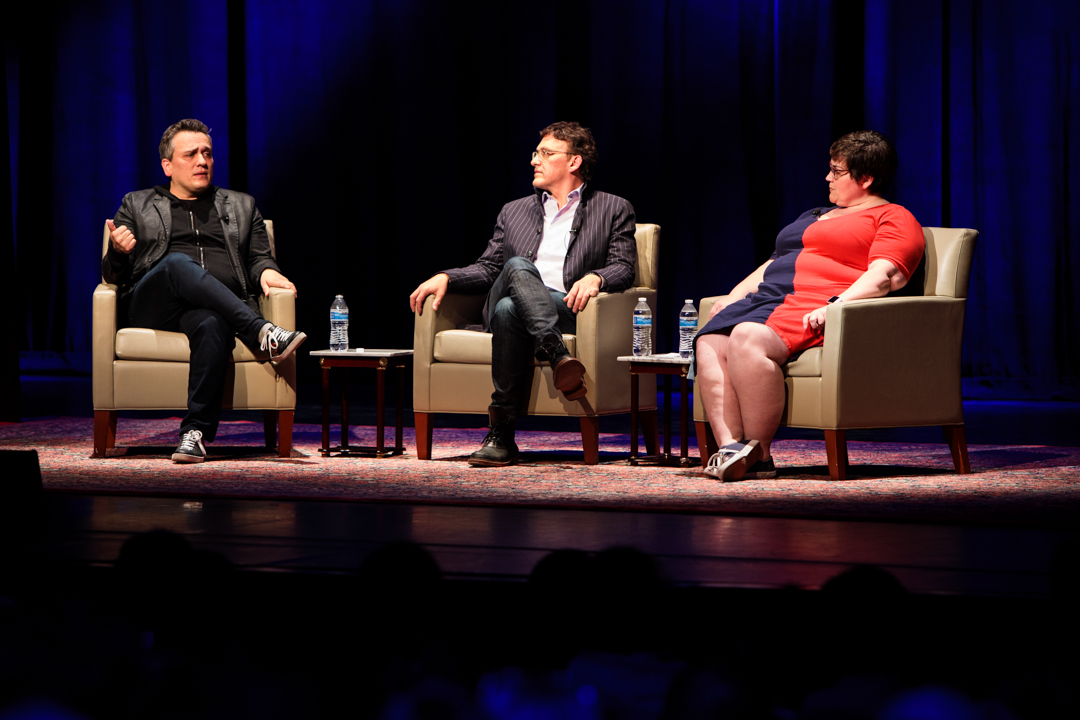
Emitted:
<point x="642" y="328"/>
<point x="339" y="325"/>
<point x="687" y="329"/>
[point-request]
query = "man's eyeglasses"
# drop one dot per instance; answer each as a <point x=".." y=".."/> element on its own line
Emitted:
<point x="544" y="154"/>
<point x="837" y="172"/>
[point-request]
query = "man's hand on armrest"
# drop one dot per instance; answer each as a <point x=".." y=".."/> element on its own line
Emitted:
<point x="272" y="278"/>
<point x="583" y="290"/>
<point x="436" y="286"/>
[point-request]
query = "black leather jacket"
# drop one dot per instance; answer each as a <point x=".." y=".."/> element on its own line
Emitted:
<point x="148" y="214"/>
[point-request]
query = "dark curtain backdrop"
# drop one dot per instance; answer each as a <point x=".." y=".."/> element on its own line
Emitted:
<point x="383" y="136"/>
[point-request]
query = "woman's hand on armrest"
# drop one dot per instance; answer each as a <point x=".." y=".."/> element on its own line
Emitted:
<point x="881" y="278"/>
<point x="721" y="302"/>
<point x="748" y="286"/>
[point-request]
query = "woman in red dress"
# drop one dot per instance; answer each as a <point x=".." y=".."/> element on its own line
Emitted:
<point x="862" y="246"/>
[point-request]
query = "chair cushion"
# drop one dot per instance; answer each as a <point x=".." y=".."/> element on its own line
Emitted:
<point x="474" y="348"/>
<point x="808" y="364"/>
<point x="146" y="344"/>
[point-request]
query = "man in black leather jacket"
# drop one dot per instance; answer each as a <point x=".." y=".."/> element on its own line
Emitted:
<point x="188" y="257"/>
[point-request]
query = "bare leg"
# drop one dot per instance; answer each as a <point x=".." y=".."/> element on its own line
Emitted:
<point x="756" y="353"/>
<point x="717" y="394"/>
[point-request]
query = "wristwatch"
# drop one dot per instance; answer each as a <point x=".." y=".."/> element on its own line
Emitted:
<point x="834" y="298"/>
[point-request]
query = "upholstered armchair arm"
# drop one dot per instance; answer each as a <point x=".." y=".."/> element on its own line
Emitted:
<point x="704" y="307"/>
<point x="912" y="341"/>
<point x="604" y="332"/>
<point x="103" y="344"/>
<point x="454" y="311"/>
<point x="279" y="308"/>
<point x="887" y="361"/>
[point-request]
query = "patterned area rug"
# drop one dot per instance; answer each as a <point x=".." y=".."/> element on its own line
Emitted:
<point x="1009" y="484"/>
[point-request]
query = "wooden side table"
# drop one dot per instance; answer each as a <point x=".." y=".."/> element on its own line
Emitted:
<point x="667" y="365"/>
<point x="380" y="360"/>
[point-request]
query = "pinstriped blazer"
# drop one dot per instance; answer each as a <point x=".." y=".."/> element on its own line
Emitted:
<point x="601" y="242"/>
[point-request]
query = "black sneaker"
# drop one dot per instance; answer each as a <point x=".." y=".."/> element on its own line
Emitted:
<point x="761" y="470"/>
<point x="280" y="342"/>
<point x="190" y="449"/>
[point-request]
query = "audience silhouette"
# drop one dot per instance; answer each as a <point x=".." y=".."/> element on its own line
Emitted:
<point x="175" y="632"/>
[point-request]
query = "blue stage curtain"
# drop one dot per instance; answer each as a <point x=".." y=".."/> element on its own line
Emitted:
<point x="982" y="98"/>
<point x="382" y="136"/>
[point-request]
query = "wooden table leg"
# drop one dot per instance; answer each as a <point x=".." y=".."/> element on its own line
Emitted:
<point x="633" y="418"/>
<point x="380" y="408"/>
<point x="345" y="410"/>
<point x="684" y="421"/>
<point x="667" y="418"/>
<point x="398" y="442"/>
<point x="325" y="449"/>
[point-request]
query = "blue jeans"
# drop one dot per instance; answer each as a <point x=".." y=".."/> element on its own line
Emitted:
<point x="527" y="320"/>
<point x="178" y="295"/>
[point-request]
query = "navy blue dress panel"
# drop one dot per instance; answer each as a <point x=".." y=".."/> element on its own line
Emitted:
<point x="778" y="282"/>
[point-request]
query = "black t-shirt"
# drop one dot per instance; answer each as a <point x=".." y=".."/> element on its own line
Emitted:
<point x="197" y="233"/>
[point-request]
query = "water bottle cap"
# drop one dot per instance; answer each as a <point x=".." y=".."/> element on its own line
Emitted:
<point x="337" y="297"/>
<point x="689" y="301"/>
<point x="641" y="299"/>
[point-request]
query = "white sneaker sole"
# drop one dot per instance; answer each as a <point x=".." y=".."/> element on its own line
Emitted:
<point x="284" y="354"/>
<point x="735" y="467"/>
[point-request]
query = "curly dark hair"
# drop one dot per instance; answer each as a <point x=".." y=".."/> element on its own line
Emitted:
<point x="867" y="154"/>
<point x="581" y="143"/>
<point x="165" y="147"/>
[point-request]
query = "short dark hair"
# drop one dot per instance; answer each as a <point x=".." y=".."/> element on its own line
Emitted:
<point x="165" y="147"/>
<point x="581" y="143"/>
<point x="867" y="153"/>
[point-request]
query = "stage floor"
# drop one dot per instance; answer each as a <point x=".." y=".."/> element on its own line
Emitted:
<point x="503" y="544"/>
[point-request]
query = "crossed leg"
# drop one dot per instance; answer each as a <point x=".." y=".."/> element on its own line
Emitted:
<point x="741" y="383"/>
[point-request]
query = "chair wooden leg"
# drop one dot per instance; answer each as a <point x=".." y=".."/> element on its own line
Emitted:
<point x="285" y="428"/>
<point x="270" y="418"/>
<point x="955" y="436"/>
<point x="705" y="441"/>
<point x="590" y="439"/>
<point x="104" y="432"/>
<point x="425" y="423"/>
<point x="650" y="428"/>
<point x="836" y="450"/>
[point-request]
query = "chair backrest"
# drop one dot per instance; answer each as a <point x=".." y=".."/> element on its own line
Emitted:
<point x="648" y="255"/>
<point x="269" y="233"/>
<point x="949" y="252"/>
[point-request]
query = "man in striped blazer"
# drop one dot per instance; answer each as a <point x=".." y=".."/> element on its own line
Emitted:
<point x="551" y="253"/>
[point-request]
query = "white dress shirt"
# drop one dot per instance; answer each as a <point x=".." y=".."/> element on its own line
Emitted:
<point x="551" y="255"/>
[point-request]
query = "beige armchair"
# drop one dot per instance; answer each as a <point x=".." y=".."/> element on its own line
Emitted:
<point x="452" y="367"/>
<point x="142" y="369"/>
<point x="886" y="362"/>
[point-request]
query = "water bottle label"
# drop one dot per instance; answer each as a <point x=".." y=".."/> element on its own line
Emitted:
<point x="687" y="322"/>
<point x="338" y="315"/>
<point x="642" y="321"/>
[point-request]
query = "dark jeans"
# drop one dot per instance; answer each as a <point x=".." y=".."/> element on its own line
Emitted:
<point x="525" y="318"/>
<point x="178" y="295"/>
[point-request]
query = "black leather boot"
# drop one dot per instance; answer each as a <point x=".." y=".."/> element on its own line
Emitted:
<point x="499" y="448"/>
<point x="568" y="372"/>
